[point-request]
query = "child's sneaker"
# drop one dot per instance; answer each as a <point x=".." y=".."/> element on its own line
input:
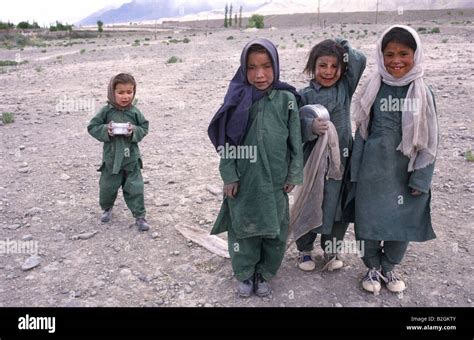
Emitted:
<point x="394" y="282"/>
<point x="245" y="288"/>
<point x="142" y="224"/>
<point x="106" y="216"/>
<point x="371" y="281"/>
<point x="332" y="262"/>
<point x="305" y="261"/>
<point x="262" y="287"/>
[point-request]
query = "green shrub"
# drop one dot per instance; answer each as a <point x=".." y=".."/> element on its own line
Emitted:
<point x="469" y="156"/>
<point x="83" y="51"/>
<point x="174" y="60"/>
<point x="256" y="20"/>
<point x="8" y="63"/>
<point x="8" y="117"/>
<point x="230" y="37"/>
<point x="6" y="25"/>
<point x="435" y="30"/>
<point x="26" y="25"/>
<point x="186" y="40"/>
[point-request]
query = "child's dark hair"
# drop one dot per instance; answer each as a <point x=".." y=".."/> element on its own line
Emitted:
<point x="399" y="35"/>
<point x="326" y="47"/>
<point x="256" y="48"/>
<point x="124" y="78"/>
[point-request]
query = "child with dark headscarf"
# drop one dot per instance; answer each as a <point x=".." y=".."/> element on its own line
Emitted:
<point x="259" y="117"/>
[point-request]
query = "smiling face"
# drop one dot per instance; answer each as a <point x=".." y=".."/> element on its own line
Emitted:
<point x="123" y="94"/>
<point x="327" y="71"/>
<point x="260" y="70"/>
<point x="398" y="59"/>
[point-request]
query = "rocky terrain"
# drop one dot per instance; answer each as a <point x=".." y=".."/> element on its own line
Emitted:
<point x="49" y="182"/>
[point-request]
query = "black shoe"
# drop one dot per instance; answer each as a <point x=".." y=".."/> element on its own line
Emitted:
<point x="245" y="288"/>
<point x="106" y="216"/>
<point x="142" y="224"/>
<point x="262" y="287"/>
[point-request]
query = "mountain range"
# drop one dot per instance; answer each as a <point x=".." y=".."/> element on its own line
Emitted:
<point x="149" y="10"/>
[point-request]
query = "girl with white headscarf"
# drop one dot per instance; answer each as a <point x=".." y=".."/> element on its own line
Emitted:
<point x="393" y="158"/>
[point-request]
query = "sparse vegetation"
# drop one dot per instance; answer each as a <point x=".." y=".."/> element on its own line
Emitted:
<point x="256" y="21"/>
<point x="25" y="25"/>
<point x="230" y="37"/>
<point x="469" y="156"/>
<point x="186" y="40"/>
<point x="444" y="41"/>
<point x="8" y="63"/>
<point x="60" y="27"/>
<point x="6" y="25"/>
<point x="174" y="60"/>
<point x="435" y="30"/>
<point x="83" y="51"/>
<point x="8" y="117"/>
<point x="12" y="62"/>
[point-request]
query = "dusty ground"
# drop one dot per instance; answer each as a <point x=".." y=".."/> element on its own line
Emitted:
<point x="49" y="183"/>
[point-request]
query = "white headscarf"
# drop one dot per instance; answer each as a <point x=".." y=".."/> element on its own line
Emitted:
<point x="419" y="122"/>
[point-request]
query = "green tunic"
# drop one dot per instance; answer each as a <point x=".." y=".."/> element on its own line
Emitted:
<point x="384" y="207"/>
<point x="337" y="100"/>
<point x="261" y="206"/>
<point x="119" y="152"/>
<point x="121" y="160"/>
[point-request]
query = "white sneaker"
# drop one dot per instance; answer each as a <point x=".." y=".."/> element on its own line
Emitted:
<point x="394" y="282"/>
<point x="305" y="262"/>
<point x="332" y="262"/>
<point x="371" y="281"/>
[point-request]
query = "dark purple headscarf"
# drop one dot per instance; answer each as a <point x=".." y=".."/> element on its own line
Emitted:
<point x="230" y="121"/>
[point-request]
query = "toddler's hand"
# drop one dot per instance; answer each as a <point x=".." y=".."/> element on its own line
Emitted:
<point x="130" y="129"/>
<point x="231" y="189"/>
<point x="110" y="130"/>
<point x="319" y="126"/>
<point x="415" y="192"/>
<point x="288" y="188"/>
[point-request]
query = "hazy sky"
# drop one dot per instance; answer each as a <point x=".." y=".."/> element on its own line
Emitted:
<point x="48" y="11"/>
